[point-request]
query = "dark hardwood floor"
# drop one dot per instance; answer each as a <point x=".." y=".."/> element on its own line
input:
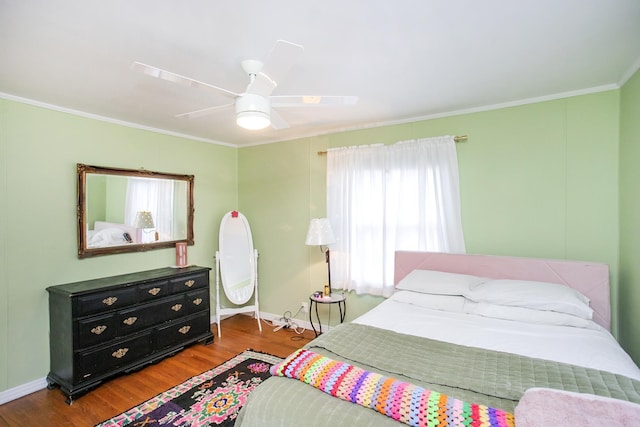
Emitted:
<point x="240" y="332"/>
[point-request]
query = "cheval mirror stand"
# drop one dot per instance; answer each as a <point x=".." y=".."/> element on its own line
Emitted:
<point x="236" y="268"/>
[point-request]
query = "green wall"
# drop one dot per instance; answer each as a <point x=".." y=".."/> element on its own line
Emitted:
<point x="96" y="200"/>
<point x="115" y="199"/>
<point x="537" y="180"/>
<point x="629" y="298"/>
<point x="39" y="149"/>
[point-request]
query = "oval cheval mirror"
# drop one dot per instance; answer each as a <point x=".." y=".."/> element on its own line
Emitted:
<point x="236" y="267"/>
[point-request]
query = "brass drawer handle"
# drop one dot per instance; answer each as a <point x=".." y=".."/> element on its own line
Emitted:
<point x="184" y="329"/>
<point x="176" y="307"/>
<point x="130" y="320"/>
<point x="120" y="353"/>
<point x="98" y="329"/>
<point x="197" y="301"/>
<point x="154" y="291"/>
<point x="189" y="283"/>
<point x="110" y="300"/>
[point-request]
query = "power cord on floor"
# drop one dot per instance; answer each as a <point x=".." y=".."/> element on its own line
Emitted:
<point x="287" y="322"/>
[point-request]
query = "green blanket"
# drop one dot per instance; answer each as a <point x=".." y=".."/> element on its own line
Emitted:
<point x="474" y="375"/>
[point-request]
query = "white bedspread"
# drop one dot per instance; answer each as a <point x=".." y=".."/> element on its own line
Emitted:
<point x="583" y="347"/>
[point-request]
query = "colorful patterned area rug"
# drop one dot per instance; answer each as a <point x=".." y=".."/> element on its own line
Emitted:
<point x="212" y="398"/>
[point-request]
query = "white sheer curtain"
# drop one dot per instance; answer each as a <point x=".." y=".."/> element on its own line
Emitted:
<point x="383" y="198"/>
<point x="154" y="195"/>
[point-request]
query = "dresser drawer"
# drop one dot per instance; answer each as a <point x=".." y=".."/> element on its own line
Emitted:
<point x="94" y="330"/>
<point x="182" y="330"/>
<point x="186" y="283"/>
<point x="197" y="300"/>
<point x="150" y="314"/>
<point x="153" y="291"/>
<point x="103" y="301"/>
<point x="121" y="353"/>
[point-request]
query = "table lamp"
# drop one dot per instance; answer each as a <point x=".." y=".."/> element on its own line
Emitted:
<point x="320" y="234"/>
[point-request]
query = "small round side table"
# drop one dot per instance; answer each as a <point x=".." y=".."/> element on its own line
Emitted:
<point x="334" y="298"/>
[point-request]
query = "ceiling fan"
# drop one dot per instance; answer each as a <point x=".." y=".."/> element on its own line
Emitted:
<point x="253" y="106"/>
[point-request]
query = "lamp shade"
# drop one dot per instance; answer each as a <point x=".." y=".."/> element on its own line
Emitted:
<point x="320" y="232"/>
<point x="143" y="220"/>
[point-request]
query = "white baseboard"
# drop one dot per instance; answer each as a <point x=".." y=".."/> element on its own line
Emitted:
<point x="275" y="319"/>
<point x="22" y="390"/>
<point x="40" y="383"/>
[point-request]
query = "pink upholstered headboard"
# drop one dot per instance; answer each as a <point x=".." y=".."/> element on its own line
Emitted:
<point x="591" y="279"/>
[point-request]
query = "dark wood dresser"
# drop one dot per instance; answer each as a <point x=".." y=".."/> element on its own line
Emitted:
<point x="103" y="327"/>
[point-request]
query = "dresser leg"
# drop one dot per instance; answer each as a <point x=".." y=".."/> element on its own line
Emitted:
<point x="51" y="385"/>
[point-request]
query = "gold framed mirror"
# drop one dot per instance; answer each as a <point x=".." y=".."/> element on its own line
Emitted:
<point x="127" y="210"/>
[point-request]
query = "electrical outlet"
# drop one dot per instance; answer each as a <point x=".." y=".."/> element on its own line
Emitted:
<point x="305" y="306"/>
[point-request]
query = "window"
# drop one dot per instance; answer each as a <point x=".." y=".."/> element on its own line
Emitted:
<point x="383" y="198"/>
<point x="153" y="195"/>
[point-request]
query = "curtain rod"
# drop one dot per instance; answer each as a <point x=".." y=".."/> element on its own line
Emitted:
<point x="460" y="138"/>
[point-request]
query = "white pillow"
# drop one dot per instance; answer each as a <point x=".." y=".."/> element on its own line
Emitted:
<point x="435" y="302"/>
<point x="535" y="295"/>
<point x="438" y="282"/>
<point x="529" y="315"/>
<point x="101" y="225"/>
<point x="107" y="237"/>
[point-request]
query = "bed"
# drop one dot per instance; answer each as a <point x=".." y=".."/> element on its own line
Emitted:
<point x="504" y="334"/>
<point x="110" y="234"/>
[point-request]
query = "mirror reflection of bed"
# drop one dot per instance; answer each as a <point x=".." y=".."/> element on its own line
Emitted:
<point x="110" y="234"/>
<point x="236" y="268"/>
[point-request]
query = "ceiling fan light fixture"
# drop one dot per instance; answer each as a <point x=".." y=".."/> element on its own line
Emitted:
<point x="253" y="120"/>
<point x="253" y="112"/>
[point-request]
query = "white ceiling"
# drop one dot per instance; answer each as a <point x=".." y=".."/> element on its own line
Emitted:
<point x="405" y="59"/>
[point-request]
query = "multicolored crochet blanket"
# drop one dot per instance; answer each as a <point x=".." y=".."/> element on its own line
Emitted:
<point x="402" y="401"/>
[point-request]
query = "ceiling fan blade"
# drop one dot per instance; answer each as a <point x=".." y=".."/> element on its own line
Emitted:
<point x="159" y="73"/>
<point x="307" y="100"/>
<point x="277" y="121"/>
<point x="278" y="63"/>
<point x="203" y="112"/>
